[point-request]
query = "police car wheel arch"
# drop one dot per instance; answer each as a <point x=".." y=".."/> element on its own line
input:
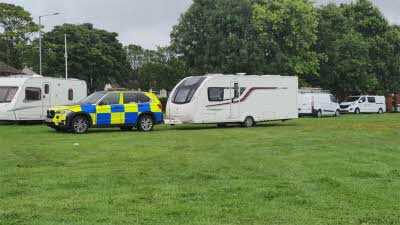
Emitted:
<point x="143" y="114"/>
<point x="71" y="116"/>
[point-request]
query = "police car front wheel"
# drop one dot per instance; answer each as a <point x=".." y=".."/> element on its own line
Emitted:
<point x="145" y="123"/>
<point x="80" y="125"/>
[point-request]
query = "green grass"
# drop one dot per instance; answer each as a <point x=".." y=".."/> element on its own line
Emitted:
<point x="309" y="171"/>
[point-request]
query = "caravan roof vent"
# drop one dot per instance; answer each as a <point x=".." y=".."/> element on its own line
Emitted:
<point x="241" y="74"/>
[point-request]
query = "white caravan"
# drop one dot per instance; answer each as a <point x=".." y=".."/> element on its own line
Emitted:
<point x="27" y="98"/>
<point x="364" y="104"/>
<point x="317" y="104"/>
<point x="221" y="99"/>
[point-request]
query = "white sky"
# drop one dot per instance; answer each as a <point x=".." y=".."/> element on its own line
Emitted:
<point x="144" y="22"/>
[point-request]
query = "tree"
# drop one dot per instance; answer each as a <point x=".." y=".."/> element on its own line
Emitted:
<point x="93" y="55"/>
<point x="156" y="69"/>
<point x="385" y="56"/>
<point x="217" y="36"/>
<point x="344" y="69"/>
<point x="17" y="28"/>
<point x="360" y="50"/>
<point x="288" y="29"/>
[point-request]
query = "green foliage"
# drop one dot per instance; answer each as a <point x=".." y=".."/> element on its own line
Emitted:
<point x="158" y="75"/>
<point x="155" y="69"/>
<point x="288" y="29"/>
<point x="93" y="55"/>
<point x="16" y="27"/>
<point x="217" y="36"/>
<point x="361" y="50"/>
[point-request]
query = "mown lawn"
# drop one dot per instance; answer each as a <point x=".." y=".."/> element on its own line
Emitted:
<point x="309" y="171"/>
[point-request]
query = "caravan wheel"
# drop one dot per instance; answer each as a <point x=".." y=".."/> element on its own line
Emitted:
<point x="249" y="122"/>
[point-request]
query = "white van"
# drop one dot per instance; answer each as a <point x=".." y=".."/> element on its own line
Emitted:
<point x="221" y="99"/>
<point x="364" y="104"/>
<point x="318" y="104"/>
<point x="27" y="98"/>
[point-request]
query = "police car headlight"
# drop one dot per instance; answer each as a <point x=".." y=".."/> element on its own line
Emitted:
<point x="63" y="112"/>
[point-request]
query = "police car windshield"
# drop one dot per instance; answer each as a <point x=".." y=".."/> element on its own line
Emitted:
<point x="93" y="98"/>
<point x="352" y="99"/>
<point x="185" y="91"/>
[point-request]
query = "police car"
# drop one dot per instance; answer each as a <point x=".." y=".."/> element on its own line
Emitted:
<point x="124" y="109"/>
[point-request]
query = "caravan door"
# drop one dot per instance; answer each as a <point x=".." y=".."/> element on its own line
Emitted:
<point x="46" y="99"/>
<point x="235" y="100"/>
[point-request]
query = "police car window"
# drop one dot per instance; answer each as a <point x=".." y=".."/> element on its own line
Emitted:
<point x="142" y="98"/>
<point x="130" y="98"/>
<point x="111" y="99"/>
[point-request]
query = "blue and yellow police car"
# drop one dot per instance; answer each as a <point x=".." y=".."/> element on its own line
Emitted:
<point x="124" y="109"/>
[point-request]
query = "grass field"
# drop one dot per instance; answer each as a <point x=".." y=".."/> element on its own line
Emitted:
<point x="309" y="171"/>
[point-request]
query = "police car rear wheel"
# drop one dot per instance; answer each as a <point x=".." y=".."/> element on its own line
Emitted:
<point x="145" y="123"/>
<point x="80" y="125"/>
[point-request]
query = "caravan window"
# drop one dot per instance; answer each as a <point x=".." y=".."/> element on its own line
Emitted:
<point x="46" y="88"/>
<point x="218" y="94"/>
<point x="7" y="94"/>
<point x="70" y="94"/>
<point x="33" y="94"/>
<point x="186" y="90"/>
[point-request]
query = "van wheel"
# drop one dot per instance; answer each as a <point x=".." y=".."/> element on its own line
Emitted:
<point x="380" y="111"/>
<point x="357" y="111"/>
<point x="126" y="128"/>
<point x="145" y="123"/>
<point x="249" y="122"/>
<point x="337" y="113"/>
<point x="318" y="114"/>
<point x="80" y="125"/>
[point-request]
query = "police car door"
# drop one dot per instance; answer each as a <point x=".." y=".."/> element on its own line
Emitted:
<point x="109" y="111"/>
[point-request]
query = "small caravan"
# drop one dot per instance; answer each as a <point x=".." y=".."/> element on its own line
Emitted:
<point x="27" y="98"/>
<point x="364" y="104"/>
<point x="317" y="103"/>
<point x="221" y="99"/>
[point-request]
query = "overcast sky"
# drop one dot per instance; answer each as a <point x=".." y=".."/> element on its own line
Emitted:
<point x="144" y="22"/>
